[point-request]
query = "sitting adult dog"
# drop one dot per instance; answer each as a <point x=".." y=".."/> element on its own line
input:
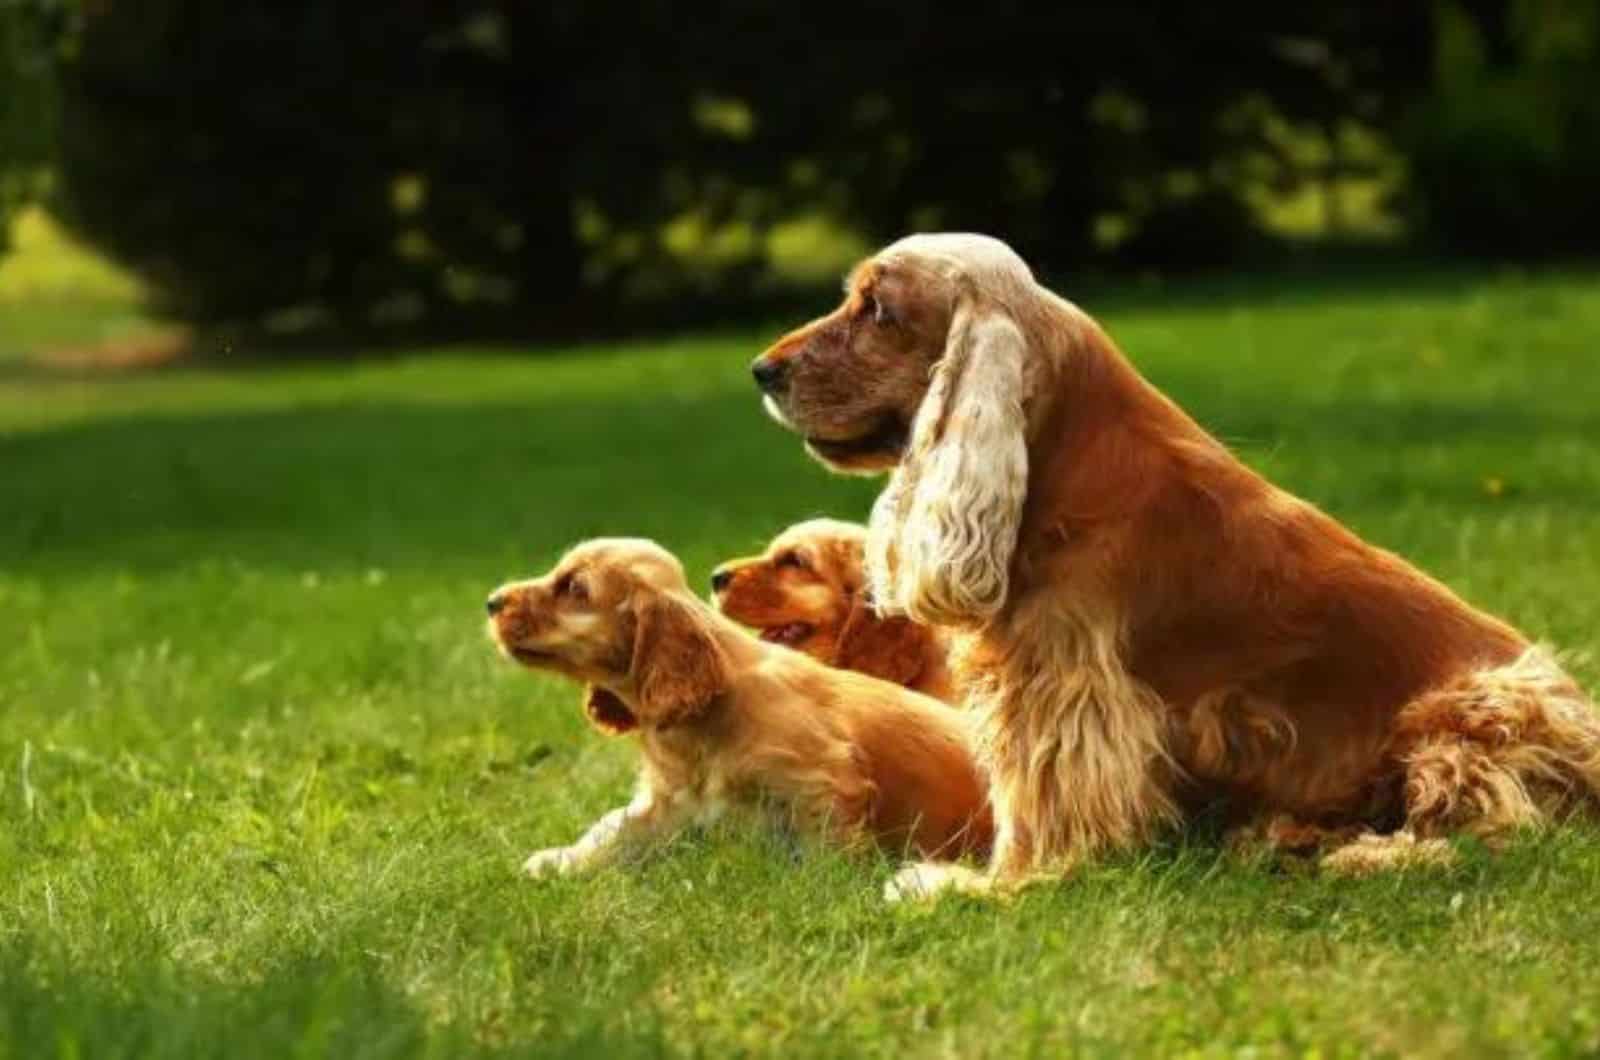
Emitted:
<point x="1153" y="623"/>
<point x="726" y="721"/>
<point x="807" y="591"/>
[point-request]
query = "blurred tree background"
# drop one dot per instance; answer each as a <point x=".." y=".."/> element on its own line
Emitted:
<point x="30" y="33"/>
<point x="303" y="167"/>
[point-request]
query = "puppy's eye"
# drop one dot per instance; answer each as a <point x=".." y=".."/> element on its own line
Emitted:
<point x="570" y="587"/>
<point x="792" y="560"/>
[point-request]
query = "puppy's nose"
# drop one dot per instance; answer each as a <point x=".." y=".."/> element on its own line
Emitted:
<point x="770" y="375"/>
<point x="495" y="603"/>
<point x="720" y="580"/>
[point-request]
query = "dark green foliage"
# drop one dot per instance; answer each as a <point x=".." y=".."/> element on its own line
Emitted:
<point x="30" y="32"/>
<point x="460" y="165"/>
<point x="1509" y="164"/>
<point x="241" y="155"/>
<point x="476" y="162"/>
<point x="1505" y="151"/>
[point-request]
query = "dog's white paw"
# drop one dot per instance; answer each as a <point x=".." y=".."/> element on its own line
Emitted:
<point x="924" y="881"/>
<point x="557" y="861"/>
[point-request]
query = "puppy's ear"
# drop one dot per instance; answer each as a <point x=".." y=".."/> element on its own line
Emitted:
<point x="893" y="648"/>
<point x="606" y="712"/>
<point x="677" y="666"/>
<point x="943" y="532"/>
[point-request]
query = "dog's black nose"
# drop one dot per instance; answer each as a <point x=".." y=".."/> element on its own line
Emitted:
<point x="770" y="375"/>
<point x="720" y="580"/>
<point x="494" y="604"/>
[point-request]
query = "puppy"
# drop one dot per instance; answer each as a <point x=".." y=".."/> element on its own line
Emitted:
<point x="807" y="591"/>
<point x="728" y="721"/>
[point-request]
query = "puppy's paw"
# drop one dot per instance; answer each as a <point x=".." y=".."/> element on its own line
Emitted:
<point x="557" y="861"/>
<point x="926" y="881"/>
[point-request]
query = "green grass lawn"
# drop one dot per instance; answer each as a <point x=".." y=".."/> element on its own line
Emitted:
<point x="264" y="787"/>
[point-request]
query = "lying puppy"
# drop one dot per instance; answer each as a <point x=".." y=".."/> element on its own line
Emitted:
<point x="727" y="721"/>
<point x="807" y="591"/>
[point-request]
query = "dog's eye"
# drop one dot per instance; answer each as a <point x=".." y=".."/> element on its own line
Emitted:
<point x="791" y="559"/>
<point x="872" y="308"/>
<point x="569" y="586"/>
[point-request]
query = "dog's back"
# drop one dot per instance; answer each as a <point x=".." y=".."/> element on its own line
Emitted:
<point x="931" y="795"/>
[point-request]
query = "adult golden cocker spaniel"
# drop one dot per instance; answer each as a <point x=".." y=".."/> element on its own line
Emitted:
<point x="1152" y="624"/>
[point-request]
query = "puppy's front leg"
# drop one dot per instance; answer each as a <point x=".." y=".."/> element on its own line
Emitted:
<point x="650" y="816"/>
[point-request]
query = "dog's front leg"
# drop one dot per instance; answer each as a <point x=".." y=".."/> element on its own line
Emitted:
<point x="1010" y="866"/>
<point x="1077" y="766"/>
<point x="650" y="816"/>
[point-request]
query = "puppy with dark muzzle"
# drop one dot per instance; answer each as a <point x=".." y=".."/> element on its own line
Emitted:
<point x="807" y="591"/>
<point x="727" y="721"/>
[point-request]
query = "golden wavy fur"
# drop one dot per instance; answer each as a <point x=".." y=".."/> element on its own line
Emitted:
<point x="727" y="721"/>
<point x="807" y="591"/>
<point x="1153" y="625"/>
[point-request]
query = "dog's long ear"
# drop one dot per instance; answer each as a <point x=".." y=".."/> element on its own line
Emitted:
<point x="942" y="534"/>
<point x="607" y="712"/>
<point x="881" y="556"/>
<point x="677" y="667"/>
<point x="893" y="648"/>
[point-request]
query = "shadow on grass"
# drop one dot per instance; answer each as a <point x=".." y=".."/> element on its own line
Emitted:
<point x="306" y="1009"/>
<point x="395" y="485"/>
<point x="478" y="486"/>
<point x="1377" y="283"/>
